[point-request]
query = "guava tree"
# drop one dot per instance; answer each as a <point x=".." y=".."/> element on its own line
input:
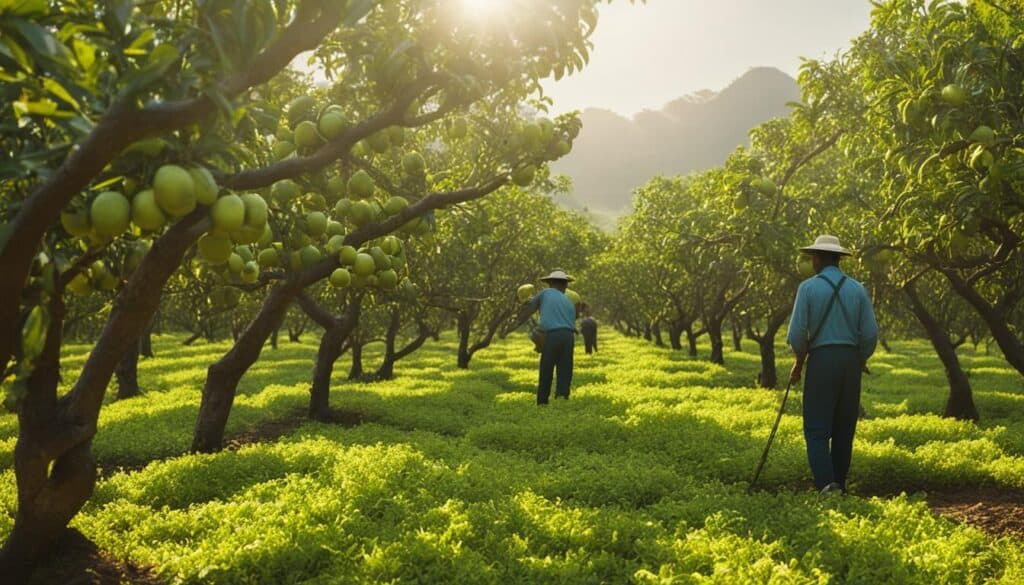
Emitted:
<point x="941" y="87"/>
<point x="719" y="282"/>
<point x="610" y="287"/>
<point x="664" y="249"/>
<point x="944" y="319"/>
<point x="410" y="324"/>
<point x="769" y="193"/>
<point x="150" y="111"/>
<point x="656" y="270"/>
<point x="483" y="252"/>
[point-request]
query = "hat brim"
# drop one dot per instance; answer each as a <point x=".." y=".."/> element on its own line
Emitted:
<point x="549" y="278"/>
<point x="829" y="249"/>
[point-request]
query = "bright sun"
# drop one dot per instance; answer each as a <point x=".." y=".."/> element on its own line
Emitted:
<point x="483" y="7"/>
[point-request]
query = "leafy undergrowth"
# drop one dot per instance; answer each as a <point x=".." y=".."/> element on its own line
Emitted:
<point x="457" y="477"/>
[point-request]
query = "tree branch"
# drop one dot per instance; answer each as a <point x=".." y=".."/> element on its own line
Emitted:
<point x="124" y="124"/>
<point x="318" y="314"/>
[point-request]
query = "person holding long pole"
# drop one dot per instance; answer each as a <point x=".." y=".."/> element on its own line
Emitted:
<point x="833" y="330"/>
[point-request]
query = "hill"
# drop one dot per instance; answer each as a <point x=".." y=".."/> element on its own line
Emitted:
<point x="613" y="154"/>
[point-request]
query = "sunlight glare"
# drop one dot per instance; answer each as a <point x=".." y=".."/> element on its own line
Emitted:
<point x="483" y="8"/>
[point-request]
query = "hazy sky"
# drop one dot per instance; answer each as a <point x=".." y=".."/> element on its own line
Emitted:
<point x="646" y="56"/>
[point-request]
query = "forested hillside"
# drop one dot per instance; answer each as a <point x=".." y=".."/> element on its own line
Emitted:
<point x="614" y="155"/>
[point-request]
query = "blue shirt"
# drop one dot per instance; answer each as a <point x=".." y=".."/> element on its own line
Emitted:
<point x="858" y="328"/>
<point x="556" y="310"/>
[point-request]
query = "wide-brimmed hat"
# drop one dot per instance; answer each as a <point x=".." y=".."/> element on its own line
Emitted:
<point x="557" y="275"/>
<point x="827" y="244"/>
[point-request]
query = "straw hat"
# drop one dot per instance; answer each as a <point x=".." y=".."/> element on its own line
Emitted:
<point x="827" y="244"/>
<point x="557" y="275"/>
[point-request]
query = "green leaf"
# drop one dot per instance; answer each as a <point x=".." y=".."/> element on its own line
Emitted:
<point x="219" y="43"/>
<point x="117" y="15"/>
<point x="31" y="8"/>
<point x="104" y="184"/>
<point x="221" y="100"/>
<point x="54" y="87"/>
<point x="85" y="52"/>
<point x="44" y="44"/>
<point x="160" y="60"/>
<point x="145" y="37"/>
<point x="33" y="333"/>
<point x="43" y="107"/>
<point x="13" y="51"/>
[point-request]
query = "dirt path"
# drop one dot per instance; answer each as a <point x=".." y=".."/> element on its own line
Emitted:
<point x="997" y="511"/>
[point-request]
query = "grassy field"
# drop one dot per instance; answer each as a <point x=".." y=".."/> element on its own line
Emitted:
<point x="456" y="476"/>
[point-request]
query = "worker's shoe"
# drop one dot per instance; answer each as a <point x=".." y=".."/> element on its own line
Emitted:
<point x="832" y="489"/>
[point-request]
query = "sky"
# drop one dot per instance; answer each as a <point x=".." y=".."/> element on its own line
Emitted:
<point x="647" y="55"/>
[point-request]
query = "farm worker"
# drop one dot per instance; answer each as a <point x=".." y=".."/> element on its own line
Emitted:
<point x="833" y="329"/>
<point x="588" y="327"/>
<point x="558" y="324"/>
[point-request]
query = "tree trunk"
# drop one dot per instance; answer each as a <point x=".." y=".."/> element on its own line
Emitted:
<point x="766" y="345"/>
<point x="717" y="346"/>
<point x="294" y="335"/>
<point x="997" y="320"/>
<point x="273" y="338"/>
<point x="356" y="371"/>
<point x="386" y="371"/>
<point x="331" y="347"/>
<point x="413" y="345"/>
<point x="223" y="376"/>
<point x="464" y="325"/>
<point x="737" y="336"/>
<point x="492" y="327"/>
<point x="127" y="373"/>
<point x="146" y="341"/>
<point x="960" y="403"/>
<point x="209" y="328"/>
<point x="329" y="352"/>
<point x="675" y="336"/>
<point x="192" y="339"/>
<point x="48" y="498"/>
<point x="656" y="331"/>
<point x="691" y="340"/>
<point x="768" y="377"/>
<point x="53" y="460"/>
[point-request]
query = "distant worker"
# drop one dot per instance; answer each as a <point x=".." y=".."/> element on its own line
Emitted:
<point x="833" y="329"/>
<point x="588" y="327"/>
<point x="558" y="325"/>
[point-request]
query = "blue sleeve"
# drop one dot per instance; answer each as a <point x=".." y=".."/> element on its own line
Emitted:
<point x="797" y="337"/>
<point x="534" y="302"/>
<point x="868" y="327"/>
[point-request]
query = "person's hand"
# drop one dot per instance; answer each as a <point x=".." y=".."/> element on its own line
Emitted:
<point x="794" y="374"/>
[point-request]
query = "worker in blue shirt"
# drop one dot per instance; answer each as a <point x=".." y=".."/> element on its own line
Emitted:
<point x="833" y="330"/>
<point x="558" y="324"/>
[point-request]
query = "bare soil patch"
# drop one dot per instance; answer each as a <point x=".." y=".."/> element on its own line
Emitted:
<point x="273" y="430"/>
<point x="998" y="511"/>
<point x="77" y="561"/>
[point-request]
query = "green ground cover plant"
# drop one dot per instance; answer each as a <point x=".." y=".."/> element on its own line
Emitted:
<point x="455" y="475"/>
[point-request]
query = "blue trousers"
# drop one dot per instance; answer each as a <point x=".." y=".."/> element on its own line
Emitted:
<point x="831" y="407"/>
<point x="558" y="348"/>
